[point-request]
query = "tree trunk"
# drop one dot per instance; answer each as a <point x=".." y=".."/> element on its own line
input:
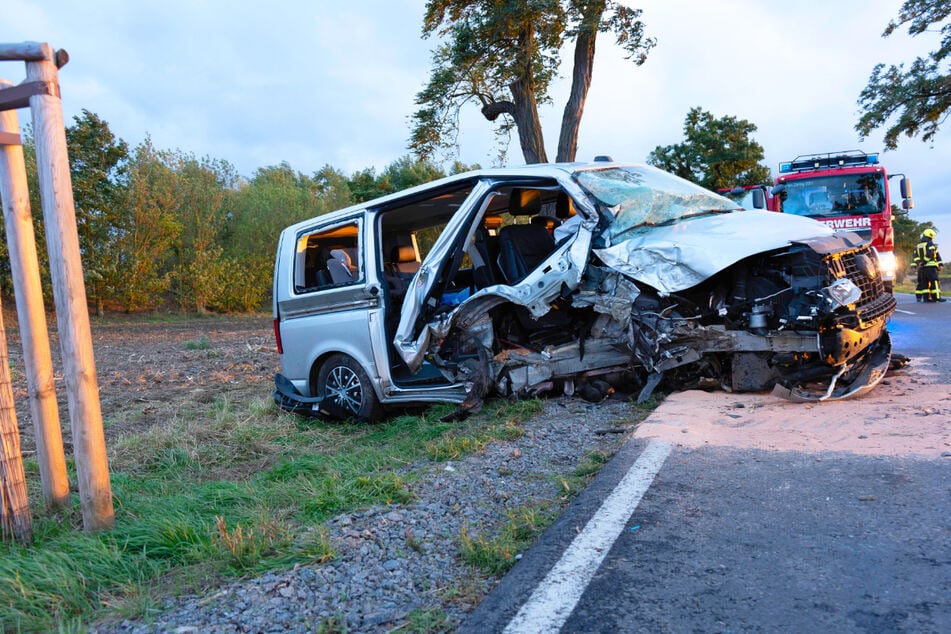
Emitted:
<point x="526" y="120"/>
<point x="526" y="108"/>
<point x="580" y="82"/>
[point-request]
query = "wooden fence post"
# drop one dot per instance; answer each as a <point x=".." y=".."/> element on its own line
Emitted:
<point x="69" y="293"/>
<point x="14" y="504"/>
<point x="34" y="335"/>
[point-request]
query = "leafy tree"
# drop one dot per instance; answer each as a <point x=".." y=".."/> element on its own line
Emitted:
<point x="151" y="199"/>
<point x="333" y="191"/>
<point x="199" y="275"/>
<point x="399" y="175"/>
<point x="96" y="165"/>
<point x="407" y="172"/>
<point x="917" y="100"/>
<point x="257" y="211"/>
<point x="365" y="185"/>
<point x="716" y="153"/>
<point x="503" y="55"/>
<point x="458" y="167"/>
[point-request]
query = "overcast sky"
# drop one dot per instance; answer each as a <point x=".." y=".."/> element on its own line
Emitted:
<point x="321" y="82"/>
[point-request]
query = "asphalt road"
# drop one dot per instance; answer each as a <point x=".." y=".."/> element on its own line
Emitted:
<point x="735" y="513"/>
<point x="920" y="329"/>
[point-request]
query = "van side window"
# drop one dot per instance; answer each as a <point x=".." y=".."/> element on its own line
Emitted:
<point x="327" y="259"/>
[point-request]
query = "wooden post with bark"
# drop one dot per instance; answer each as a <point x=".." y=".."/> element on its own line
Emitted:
<point x="31" y="313"/>
<point x="41" y="89"/>
<point x="14" y="504"/>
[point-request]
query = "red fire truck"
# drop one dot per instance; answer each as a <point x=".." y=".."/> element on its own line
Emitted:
<point x="845" y="190"/>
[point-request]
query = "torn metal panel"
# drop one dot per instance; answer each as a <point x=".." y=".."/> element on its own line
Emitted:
<point x="676" y="257"/>
<point x="412" y="337"/>
<point x="525" y="369"/>
<point x="562" y="269"/>
<point x="608" y="293"/>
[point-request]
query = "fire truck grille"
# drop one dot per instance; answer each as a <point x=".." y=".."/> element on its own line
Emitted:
<point x="858" y="266"/>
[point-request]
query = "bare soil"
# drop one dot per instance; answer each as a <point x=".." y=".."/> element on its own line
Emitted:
<point x="146" y="365"/>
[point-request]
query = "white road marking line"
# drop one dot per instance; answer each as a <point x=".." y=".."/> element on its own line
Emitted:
<point x="556" y="596"/>
<point x="907" y="312"/>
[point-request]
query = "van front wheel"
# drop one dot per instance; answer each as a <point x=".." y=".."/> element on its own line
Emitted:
<point x="346" y="389"/>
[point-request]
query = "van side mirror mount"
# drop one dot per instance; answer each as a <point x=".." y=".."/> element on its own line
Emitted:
<point x="759" y="198"/>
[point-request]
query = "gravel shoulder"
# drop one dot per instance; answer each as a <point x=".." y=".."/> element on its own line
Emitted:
<point x="400" y="560"/>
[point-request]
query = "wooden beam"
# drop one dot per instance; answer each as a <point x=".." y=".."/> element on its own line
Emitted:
<point x="31" y="316"/>
<point x="69" y="294"/>
<point x="19" y="96"/>
<point x="26" y="52"/>
<point x="15" y="519"/>
<point x="10" y="138"/>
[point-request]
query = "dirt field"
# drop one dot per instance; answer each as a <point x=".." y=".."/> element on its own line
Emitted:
<point x="147" y="365"/>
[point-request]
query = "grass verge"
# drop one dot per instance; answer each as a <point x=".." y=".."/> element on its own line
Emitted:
<point x="496" y="554"/>
<point x="218" y="490"/>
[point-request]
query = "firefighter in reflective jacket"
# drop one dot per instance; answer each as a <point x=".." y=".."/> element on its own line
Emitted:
<point x="928" y="262"/>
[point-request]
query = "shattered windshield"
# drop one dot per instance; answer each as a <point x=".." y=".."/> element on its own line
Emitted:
<point x="842" y="195"/>
<point x="642" y="196"/>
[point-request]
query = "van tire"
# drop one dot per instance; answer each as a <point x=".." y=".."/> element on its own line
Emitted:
<point x="347" y="390"/>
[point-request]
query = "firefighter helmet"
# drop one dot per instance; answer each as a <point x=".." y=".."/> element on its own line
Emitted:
<point x="929" y="233"/>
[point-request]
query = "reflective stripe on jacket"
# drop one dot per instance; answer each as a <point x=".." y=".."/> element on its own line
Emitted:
<point x="926" y="254"/>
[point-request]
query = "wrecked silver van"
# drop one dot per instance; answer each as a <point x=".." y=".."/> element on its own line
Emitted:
<point x="558" y="277"/>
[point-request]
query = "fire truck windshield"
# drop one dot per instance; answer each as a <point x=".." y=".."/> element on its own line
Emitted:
<point x="839" y="195"/>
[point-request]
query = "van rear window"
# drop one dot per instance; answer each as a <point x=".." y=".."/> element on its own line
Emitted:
<point x="327" y="259"/>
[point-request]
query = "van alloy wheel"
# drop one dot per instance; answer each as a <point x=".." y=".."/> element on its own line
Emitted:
<point x="346" y="389"/>
<point x="343" y="388"/>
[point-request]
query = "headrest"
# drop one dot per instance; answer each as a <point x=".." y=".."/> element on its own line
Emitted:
<point x="342" y="256"/>
<point x="545" y="221"/>
<point x="404" y="253"/>
<point x="492" y="222"/>
<point x="525" y="202"/>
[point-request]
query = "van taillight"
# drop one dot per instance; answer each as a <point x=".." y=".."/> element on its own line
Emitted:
<point x="277" y="336"/>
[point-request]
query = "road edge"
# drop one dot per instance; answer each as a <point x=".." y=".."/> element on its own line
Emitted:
<point x="498" y="609"/>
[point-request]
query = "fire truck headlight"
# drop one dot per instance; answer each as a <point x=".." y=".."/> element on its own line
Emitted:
<point x="842" y="292"/>
<point x="887" y="265"/>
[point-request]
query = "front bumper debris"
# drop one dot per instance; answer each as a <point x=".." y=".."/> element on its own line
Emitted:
<point x="853" y="379"/>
